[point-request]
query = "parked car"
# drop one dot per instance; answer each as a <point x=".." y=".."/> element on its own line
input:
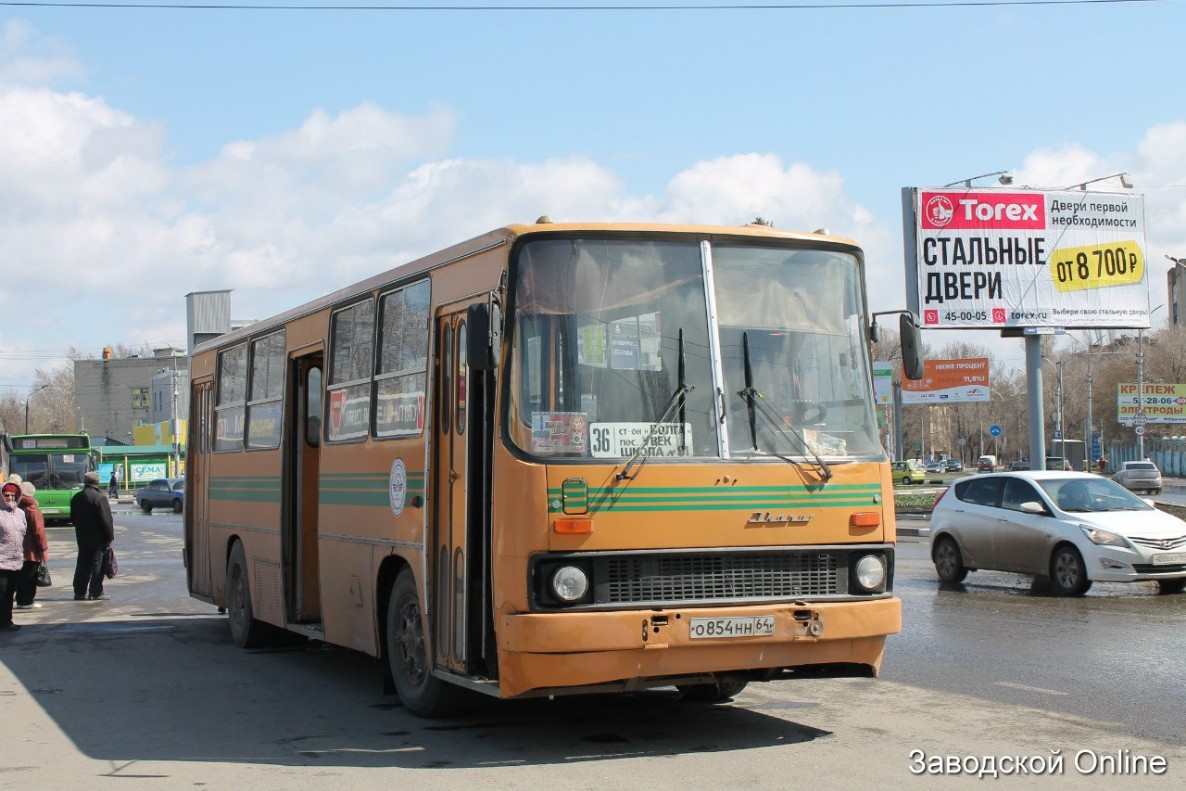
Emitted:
<point x="909" y="471"/>
<point x="1139" y="476"/>
<point x="1071" y="527"/>
<point x="986" y="464"/>
<point x="1057" y="463"/>
<point x="954" y="465"/>
<point x="1017" y="466"/>
<point x="162" y="493"/>
<point x="935" y="466"/>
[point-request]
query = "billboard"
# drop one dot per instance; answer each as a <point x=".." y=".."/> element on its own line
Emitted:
<point x="1158" y="403"/>
<point x="949" y="382"/>
<point x="992" y="258"/>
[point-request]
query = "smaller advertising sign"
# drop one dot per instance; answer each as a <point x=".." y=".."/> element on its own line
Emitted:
<point x="883" y="382"/>
<point x="1158" y="403"/>
<point x="949" y="382"/>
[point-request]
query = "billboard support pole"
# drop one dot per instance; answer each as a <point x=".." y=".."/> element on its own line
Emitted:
<point x="899" y="451"/>
<point x="1033" y="375"/>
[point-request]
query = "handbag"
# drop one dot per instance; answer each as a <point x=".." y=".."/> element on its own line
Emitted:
<point x="110" y="564"/>
<point x="43" y="580"/>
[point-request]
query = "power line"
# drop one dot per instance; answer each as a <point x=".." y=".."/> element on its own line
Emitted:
<point x="568" y="8"/>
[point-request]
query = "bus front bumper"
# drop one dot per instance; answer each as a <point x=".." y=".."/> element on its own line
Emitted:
<point x="577" y="650"/>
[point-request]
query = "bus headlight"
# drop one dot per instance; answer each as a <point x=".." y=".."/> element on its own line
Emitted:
<point x="569" y="583"/>
<point x="869" y="573"/>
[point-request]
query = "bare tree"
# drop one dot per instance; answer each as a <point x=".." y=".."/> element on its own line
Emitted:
<point x="51" y="402"/>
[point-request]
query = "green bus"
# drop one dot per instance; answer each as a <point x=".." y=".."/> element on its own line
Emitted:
<point x="55" y="464"/>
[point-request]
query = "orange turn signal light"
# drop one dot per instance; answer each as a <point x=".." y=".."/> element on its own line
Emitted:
<point x="572" y="527"/>
<point x="865" y="519"/>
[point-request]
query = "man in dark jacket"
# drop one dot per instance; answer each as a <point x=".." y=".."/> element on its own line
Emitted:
<point x="94" y="531"/>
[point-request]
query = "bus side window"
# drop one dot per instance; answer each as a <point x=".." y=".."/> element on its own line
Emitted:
<point x="313" y="408"/>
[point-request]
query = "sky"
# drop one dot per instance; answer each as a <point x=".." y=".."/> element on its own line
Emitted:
<point x="148" y="152"/>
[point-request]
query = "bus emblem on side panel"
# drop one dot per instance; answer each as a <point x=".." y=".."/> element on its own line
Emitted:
<point x="397" y="487"/>
<point x="769" y="518"/>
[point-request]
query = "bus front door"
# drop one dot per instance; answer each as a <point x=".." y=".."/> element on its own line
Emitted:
<point x="459" y="587"/>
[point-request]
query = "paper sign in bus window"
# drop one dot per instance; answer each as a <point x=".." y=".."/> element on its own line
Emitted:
<point x="615" y="440"/>
<point x="591" y="345"/>
<point x="634" y="343"/>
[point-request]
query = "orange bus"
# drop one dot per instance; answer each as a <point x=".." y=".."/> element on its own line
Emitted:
<point x="558" y="458"/>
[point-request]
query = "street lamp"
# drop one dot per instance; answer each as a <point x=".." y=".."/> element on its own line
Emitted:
<point x="1125" y="181"/>
<point x="1140" y="421"/>
<point x="1005" y="178"/>
<point x="32" y="393"/>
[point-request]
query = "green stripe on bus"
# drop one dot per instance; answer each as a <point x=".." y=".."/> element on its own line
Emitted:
<point x="252" y="489"/>
<point x="365" y="489"/>
<point x="752" y="498"/>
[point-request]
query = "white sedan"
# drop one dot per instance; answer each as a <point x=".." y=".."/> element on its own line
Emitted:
<point x="1071" y="527"/>
<point x="1139" y="476"/>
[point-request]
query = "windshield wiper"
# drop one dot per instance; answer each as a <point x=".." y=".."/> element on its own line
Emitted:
<point x="757" y="405"/>
<point x="678" y="399"/>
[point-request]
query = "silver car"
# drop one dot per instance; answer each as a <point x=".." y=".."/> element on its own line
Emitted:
<point x="1071" y="527"/>
<point x="1140" y="476"/>
<point x="162" y="493"/>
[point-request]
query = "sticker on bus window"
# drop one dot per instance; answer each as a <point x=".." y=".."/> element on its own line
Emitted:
<point x="825" y="444"/>
<point x="559" y="432"/>
<point x="616" y="440"/>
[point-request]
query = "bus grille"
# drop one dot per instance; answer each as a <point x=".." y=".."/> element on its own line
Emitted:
<point x="720" y="577"/>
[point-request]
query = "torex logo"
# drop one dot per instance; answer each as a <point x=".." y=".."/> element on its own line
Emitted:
<point x="983" y="210"/>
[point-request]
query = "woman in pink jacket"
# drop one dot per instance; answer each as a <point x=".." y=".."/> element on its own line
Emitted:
<point x="36" y="548"/>
<point x="12" y="551"/>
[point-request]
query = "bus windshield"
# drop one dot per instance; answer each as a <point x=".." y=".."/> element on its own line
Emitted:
<point x="613" y="351"/>
<point x="52" y="471"/>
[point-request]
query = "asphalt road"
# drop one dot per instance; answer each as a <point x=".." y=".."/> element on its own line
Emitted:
<point x="146" y="691"/>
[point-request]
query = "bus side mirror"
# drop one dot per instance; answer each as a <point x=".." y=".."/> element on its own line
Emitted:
<point x="911" y="339"/>
<point x="481" y="338"/>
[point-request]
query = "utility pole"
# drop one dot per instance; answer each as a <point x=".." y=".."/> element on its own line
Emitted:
<point x="173" y="428"/>
<point x="1058" y="417"/>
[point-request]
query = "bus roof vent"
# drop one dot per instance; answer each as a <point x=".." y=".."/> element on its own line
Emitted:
<point x="544" y="219"/>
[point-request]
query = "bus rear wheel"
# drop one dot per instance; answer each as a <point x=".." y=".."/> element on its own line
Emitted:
<point x="422" y="693"/>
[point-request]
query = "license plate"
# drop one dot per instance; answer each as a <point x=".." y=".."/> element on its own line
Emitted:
<point x="718" y="628"/>
<point x="1169" y="559"/>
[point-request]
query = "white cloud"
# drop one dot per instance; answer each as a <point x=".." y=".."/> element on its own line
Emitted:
<point x="27" y="58"/>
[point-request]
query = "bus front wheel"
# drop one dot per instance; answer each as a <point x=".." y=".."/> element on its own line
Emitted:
<point x="245" y="630"/>
<point x="422" y="693"/>
<point x="711" y="693"/>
